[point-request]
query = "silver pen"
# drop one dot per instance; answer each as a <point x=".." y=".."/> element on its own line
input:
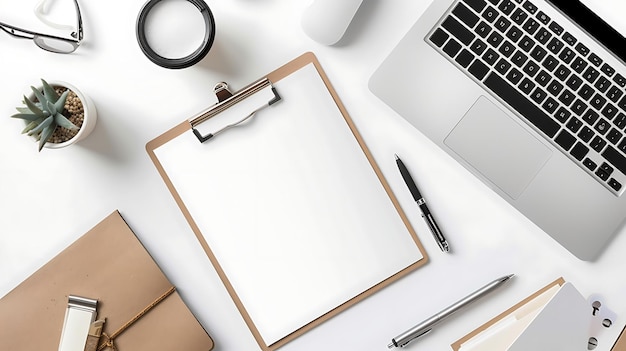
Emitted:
<point x="427" y="325"/>
<point x="417" y="196"/>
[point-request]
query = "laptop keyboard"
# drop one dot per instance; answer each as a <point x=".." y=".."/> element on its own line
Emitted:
<point x="550" y="77"/>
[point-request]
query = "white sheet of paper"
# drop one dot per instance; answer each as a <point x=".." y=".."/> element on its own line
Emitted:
<point x="291" y="207"/>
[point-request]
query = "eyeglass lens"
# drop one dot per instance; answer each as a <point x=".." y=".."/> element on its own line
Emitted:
<point x="55" y="45"/>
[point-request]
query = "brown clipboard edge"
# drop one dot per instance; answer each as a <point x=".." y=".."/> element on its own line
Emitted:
<point x="457" y="344"/>
<point x="275" y="76"/>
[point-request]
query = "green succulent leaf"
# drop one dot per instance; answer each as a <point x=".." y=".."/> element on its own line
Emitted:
<point x="23" y="110"/>
<point x="42" y="99"/>
<point x="46" y="122"/>
<point x="26" y="116"/>
<point x="51" y="108"/>
<point x="60" y="103"/>
<point x="60" y="120"/>
<point x="45" y="135"/>
<point x="49" y="92"/>
<point x="32" y="107"/>
<point x="30" y="126"/>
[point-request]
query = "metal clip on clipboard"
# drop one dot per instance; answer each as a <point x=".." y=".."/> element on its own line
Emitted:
<point x="226" y="99"/>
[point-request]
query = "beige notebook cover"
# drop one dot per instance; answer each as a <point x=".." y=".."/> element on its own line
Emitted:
<point x="289" y="206"/>
<point x="109" y="264"/>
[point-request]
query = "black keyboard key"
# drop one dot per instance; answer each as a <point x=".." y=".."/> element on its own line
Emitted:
<point x="579" y="65"/>
<point x="519" y="59"/>
<point x="602" y="174"/>
<point x="482" y="29"/>
<point x="550" y="105"/>
<point x="579" y="107"/>
<point x="614" y="93"/>
<point x="586" y="134"/>
<point x="543" y="78"/>
<point x="591" y="74"/>
<point x="620" y="121"/>
<point x="582" y="49"/>
<point x="614" y="184"/>
<point x="478" y="47"/>
<point x="615" y="158"/>
<point x="608" y="70"/>
<point x="554" y="87"/>
<point x="502" y="24"/>
<point x="622" y="146"/>
<point x="452" y="48"/>
<point x="530" y="26"/>
<point x="526" y="43"/>
<point x="526" y="86"/>
<point x="598" y="101"/>
<point x="491" y="57"/>
<point x="565" y="139"/>
<point x="567" y="55"/>
<point x="514" y="76"/>
<point x="521" y="104"/>
<point x="614" y="136"/>
<point x="439" y="37"/>
<point x="590" y="116"/>
<point x="602" y="84"/>
<point x="514" y="34"/>
<point x="543" y="18"/>
<point x="538" y="53"/>
<point x="606" y="167"/>
<point x="595" y="59"/>
<point x="579" y="151"/>
<point x="507" y="48"/>
<point x="490" y="14"/>
<point x="569" y="38"/>
<point x="562" y="114"/>
<point x="530" y="7"/>
<point x="477" y="5"/>
<point x="459" y="31"/>
<point x="464" y="58"/>
<point x="555" y="45"/>
<point x="538" y="95"/>
<point x="598" y="144"/>
<point x="506" y="7"/>
<point x="622" y="103"/>
<point x="495" y="39"/>
<point x="602" y="127"/>
<point x="590" y="164"/>
<point x="550" y="63"/>
<point x="562" y="72"/>
<point x="531" y="68"/>
<point x="519" y="16"/>
<point x="478" y="69"/>
<point x="556" y="28"/>
<point x="465" y="15"/>
<point x="567" y="97"/>
<point x="503" y="66"/>
<point x="609" y="111"/>
<point x="543" y="35"/>
<point x="620" y="80"/>
<point x="586" y="92"/>
<point x="574" y="124"/>
<point x="574" y="82"/>
<point x="495" y="2"/>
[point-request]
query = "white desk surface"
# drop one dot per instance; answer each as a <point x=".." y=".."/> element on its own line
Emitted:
<point x="49" y="199"/>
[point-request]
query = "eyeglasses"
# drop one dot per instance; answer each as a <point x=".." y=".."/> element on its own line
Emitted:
<point x="50" y="42"/>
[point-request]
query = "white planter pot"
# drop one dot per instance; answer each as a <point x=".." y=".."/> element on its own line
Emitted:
<point x="89" y="121"/>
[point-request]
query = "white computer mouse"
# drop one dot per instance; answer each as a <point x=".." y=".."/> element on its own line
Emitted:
<point x="325" y="21"/>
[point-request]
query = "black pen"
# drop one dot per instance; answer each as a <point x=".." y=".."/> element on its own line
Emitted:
<point x="428" y="217"/>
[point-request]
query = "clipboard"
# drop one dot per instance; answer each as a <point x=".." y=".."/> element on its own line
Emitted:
<point x="287" y="201"/>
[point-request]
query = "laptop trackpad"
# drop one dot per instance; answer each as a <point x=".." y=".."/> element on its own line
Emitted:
<point x="498" y="147"/>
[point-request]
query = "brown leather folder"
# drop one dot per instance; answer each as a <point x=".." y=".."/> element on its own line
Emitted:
<point x="143" y="311"/>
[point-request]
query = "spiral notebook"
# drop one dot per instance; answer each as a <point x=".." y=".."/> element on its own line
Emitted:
<point x="287" y="201"/>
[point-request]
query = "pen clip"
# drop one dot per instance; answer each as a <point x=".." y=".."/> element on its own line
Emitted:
<point x="416" y="337"/>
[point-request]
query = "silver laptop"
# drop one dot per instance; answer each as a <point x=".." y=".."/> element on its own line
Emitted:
<point x="530" y="97"/>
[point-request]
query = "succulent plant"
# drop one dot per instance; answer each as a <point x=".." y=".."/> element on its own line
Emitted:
<point x="44" y="114"/>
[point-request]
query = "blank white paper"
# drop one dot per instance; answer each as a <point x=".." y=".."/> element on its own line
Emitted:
<point x="291" y="207"/>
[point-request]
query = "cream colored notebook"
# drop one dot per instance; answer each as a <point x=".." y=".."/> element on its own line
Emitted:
<point x="555" y="318"/>
<point x="289" y="205"/>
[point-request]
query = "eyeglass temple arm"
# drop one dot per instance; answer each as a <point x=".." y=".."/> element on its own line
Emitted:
<point x="11" y="30"/>
<point x="79" y="23"/>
